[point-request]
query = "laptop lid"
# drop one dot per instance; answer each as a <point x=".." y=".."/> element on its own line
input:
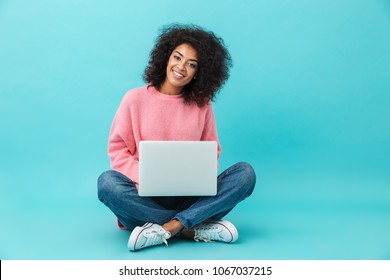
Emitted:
<point x="177" y="168"/>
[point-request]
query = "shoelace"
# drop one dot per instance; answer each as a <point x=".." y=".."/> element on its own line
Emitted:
<point x="207" y="234"/>
<point x="155" y="237"/>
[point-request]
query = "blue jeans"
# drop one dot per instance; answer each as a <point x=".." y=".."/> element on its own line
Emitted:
<point x="120" y="195"/>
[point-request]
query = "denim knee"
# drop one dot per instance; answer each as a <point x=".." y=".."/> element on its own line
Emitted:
<point x="248" y="176"/>
<point x="103" y="184"/>
<point x="108" y="182"/>
<point x="111" y="183"/>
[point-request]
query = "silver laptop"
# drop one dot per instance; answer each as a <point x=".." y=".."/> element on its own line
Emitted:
<point x="177" y="168"/>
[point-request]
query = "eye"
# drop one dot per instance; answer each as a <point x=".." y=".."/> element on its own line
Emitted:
<point x="193" y="65"/>
<point x="176" y="57"/>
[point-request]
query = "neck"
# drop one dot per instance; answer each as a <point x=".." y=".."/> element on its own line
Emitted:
<point x="169" y="90"/>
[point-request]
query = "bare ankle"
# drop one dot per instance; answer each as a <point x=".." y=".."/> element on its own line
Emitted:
<point x="173" y="226"/>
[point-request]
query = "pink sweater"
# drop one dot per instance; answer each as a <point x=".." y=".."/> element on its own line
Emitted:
<point x="146" y="114"/>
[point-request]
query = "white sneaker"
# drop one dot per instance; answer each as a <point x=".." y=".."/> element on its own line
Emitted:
<point x="148" y="235"/>
<point x="209" y="231"/>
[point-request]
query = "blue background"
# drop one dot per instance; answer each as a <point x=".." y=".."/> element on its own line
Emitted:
<point x="307" y="104"/>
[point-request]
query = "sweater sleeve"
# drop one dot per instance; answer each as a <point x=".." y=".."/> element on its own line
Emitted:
<point x="210" y="130"/>
<point x="122" y="145"/>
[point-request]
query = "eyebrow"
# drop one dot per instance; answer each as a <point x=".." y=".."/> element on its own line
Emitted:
<point x="183" y="56"/>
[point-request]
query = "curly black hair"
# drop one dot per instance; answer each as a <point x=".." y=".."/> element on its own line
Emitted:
<point x="214" y="61"/>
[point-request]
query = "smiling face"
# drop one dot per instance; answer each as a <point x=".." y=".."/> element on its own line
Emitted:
<point x="181" y="69"/>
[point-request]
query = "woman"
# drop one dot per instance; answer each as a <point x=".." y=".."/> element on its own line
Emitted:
<point x="187" y="67"/>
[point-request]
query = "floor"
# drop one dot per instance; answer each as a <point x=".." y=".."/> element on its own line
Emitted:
<point x="287" y="217"/>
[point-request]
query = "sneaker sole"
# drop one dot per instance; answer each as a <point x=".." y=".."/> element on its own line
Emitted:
<point x="229" y="227"/>
<point x="133" y="239"/>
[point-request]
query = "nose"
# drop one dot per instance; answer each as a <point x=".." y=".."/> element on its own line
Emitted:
<point x="181" y="65"/>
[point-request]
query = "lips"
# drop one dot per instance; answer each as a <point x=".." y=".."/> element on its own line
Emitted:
<point x="177" y="75"/>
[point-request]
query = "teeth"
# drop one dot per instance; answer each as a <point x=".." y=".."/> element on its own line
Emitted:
<point x="178" y="74"/>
